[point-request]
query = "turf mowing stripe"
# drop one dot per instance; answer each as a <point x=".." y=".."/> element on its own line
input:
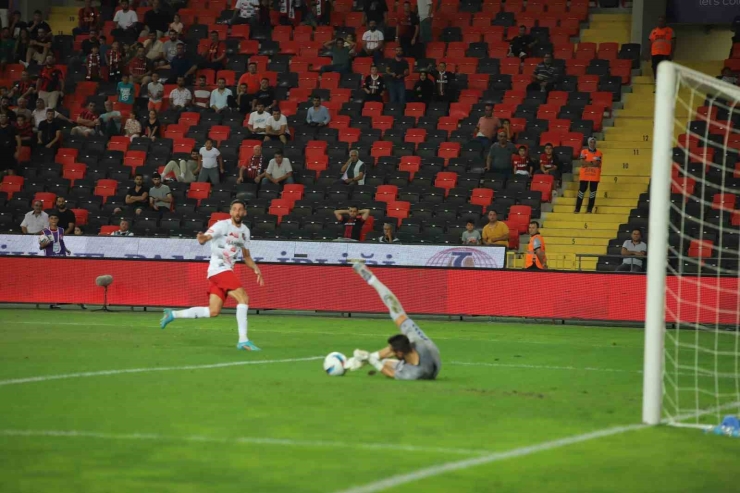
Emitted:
<point x="543" y="367"/>
<point x="44" y="378"/>
<point x="241" y="440"/>
<point x="429" y="472"/>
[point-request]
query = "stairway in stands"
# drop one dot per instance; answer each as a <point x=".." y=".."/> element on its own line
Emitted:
<point x="63" y="19"/>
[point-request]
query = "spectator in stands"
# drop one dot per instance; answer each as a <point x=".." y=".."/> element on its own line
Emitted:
<point x="263" y="14"/>
<point x="86" y="122"/>
<point x="7" y="48"/>
<point x="170" y="47"/>
<point x="184" y="171"/>
<point x="114" y="60"/>
<point x="21" y="46"/>
<point x="39" y="48"/>
<point x="38" y="24"/>
<point x="36" y="220"/>
<point x="93" y="64"/>
<point x="373" y="42"/>
<point x="245" y="12"/>
<point x="41" y="112"/>
<point x="202" y="93"/>
<point x="398" y="69"/>
<point x="154" y="49"/>
<point x="125" y="90"/>
<point x="311" y="18"/>
<point x="25" y="130"/>
<point x="589" y="175"/>
<point x="424" y="88"/>
<point x="389" y="236"/>
<point x="126" y="22"/>
<point x="374" y="11"/>
<point x="487" y="126"/>
<point x="92" y="40"/>
<point x="251" y="78"/>
<point x="521" y="163"/>
<point x="66" y="217"/>
<point x="50" y="84"/>
<point x="341" y="57"/>
<point x="132" y="127"/>
<point x="156" y="20"/>
<point x="407" y="30"/>
<point x="353" y="171"/>
<point x="220" y="97"/>
<point x="176" y="24"/>
<point x="155" y="93"/>
<point x="214" y="55"/>
<point x="506" y="128"/>
<point x="728" y="76"/>
<point x="243" y="100"/>
<point x="152" y="125"/>
<point x="137" y="197"/>
<point x="210" y="164"/>
<point x="374" y="86"/>
<point x="495" y="232"/>
<point x="16" y="24"/>
<point x="123" y="228"/>
<point x="521" y="45"/>
<point x="79" y="231"/>
<point x="317" y="115"/>
<point x="253" y="168"/>
<point x="10" y="142"/>
<point x="445" y="83"/>
<point x="662" y="44"/>
<point x="23" y="88"/>
<point x="140" y="69"/>
<point x="88" y="19"/>
<point x="632" y="248"/>
<point x="5" y="109"/>
<point x="277" y="127"/>
<point x="266" y="95"/>
<point x="545" y="75"/>
<point x="160" y="196"/>
<point x="22" y="109"/>
<point x="110" y="121"/>
<point x="279" y="170"/>
<point x="353" y="221"/>
<point x="180" y="97"/>
<point x="257" y="123"/>
<point x="535" y="258"/>
<point x="500" y="155"/>
<point x="49" y="133"/>
<point x="549" y="163"/>
<point x="181" y="65"/>
<point x="470" y="236"/>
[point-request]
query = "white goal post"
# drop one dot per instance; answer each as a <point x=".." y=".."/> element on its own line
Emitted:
<point x="692" y="322"/>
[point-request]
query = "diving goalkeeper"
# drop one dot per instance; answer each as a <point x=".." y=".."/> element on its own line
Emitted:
<point x="417" y="356"/>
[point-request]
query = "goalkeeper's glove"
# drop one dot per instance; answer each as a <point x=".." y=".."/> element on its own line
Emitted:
<point x="374" y="359"/>
<point x="361" y="355"/>
<point x="353" y="364"/>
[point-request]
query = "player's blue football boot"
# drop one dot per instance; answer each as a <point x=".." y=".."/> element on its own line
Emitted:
<point x="166" y="318"/>
<point x="247" y="346"/>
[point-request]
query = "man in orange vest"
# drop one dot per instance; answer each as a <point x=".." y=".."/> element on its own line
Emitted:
<point x="662" y="44"/>
<point x="535" y="258"/>
<point x="589" y="175"/>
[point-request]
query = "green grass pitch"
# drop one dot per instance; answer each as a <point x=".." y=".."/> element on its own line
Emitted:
<point x="287" y="427"/>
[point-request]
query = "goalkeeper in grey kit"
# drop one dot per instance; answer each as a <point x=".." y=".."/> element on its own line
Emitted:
<point x="410" y="355"/>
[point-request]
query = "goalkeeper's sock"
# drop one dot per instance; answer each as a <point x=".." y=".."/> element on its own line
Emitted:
<point x="195" y="312"/>
<point x="241" y="321"/>
<point x="389" y="299"/>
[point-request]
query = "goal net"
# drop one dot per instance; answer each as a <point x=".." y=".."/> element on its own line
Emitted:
<point x="692" y="338"/>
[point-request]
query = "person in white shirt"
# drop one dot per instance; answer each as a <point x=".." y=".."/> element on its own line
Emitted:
<point x="228" y="238"/>
<point x="220" y="97"/>
<point x="633" y="251"/>
<point x="39" y="114"/>
<point x="245" y="12"/>
<point x="353" y="171"/>
<point x="36" y="220"/>
<point x="155" y="91"/>
<point x="372" y="42"/>
<point x="257" y="123"/>
<point x="210" y="163"/>
<point x="180" y="97"/>
<point x="277" y="127"/>
<point x="279" y="170"/>
<point x="126" y="21"/>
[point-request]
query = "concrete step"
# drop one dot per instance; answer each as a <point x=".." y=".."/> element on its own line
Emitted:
<point x="564" y="249"/>
<point x="64" y="10"/>
<point x="566" y="214"/>
<point x="607" y="234"/>
<point x="611" y="145"/>
<point x="569" y="202"/>
<point x="611" y="17"/>
<point x="622" y="193"/>
<point x="586" y="225"/>
<point x="621" y="211"/>
<point x="621" y="183"/>
<point x="563" y="240"/>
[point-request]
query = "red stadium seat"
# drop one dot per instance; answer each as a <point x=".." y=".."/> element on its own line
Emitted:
<point x="199" y="191"/>
<point x="724" y="201"/>
<point x="701" y="248"/>
<point x="386" y="193"/>
<point x="410" y="164"/>
<point x="446" y="180"/>
<point x="317" y="163"/>
<point x="46" y="198"/>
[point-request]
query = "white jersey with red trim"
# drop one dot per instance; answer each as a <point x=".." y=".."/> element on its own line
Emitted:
<point x="227" y="242"/>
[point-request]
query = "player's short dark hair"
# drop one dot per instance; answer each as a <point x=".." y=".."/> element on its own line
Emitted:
<point x="53" y="214"/>
<point x="238" y="201"/>
<point x="138" y="174"/>
<point x="401" y="343"/>
<point x="470" y="221"/>
<point x="638" y="230"/>
<point x="535" y="223"/>
<point x="492" y="210"/>
<point x="354" y="206"/>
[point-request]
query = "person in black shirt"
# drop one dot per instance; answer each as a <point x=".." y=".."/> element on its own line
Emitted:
<point x="374" y="86"/>
<point x="67" y="218"/>
<point x="374" y="10"/>
<point x="157" y="19"/>
<point x="424" y="88"/>
<point x="50" y="132"/>
<point x="398" y="69"/>
<point x="444" y="83"/>
<point x="5" y="109"/>
<point x="265" y="95"/>
<point x="407" y="31"/>
<point x="137" y="197"/>
<point x="522" y="44"/>
<point x="38" y="23"/>
<point x="88" y="43"/>
<point x="353" y="222"/>
<point x="10" y="142"/>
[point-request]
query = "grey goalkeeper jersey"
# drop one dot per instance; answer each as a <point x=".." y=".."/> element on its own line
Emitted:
<point x="429" y="360"/>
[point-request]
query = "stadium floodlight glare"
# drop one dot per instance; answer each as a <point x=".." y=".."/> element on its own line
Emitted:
<point x="692" y="322"/>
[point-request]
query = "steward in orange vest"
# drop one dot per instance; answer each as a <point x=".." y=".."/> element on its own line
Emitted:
<point x="590" y="175"/>
<point x="535" y="258"/>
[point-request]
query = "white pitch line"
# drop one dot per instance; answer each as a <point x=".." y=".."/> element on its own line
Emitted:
<point x="44" y="378"/>
<point x="429" y="472"/>
<point x="287" y="442"/>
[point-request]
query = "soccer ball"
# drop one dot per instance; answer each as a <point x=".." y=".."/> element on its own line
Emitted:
<point x="334" y="364"/>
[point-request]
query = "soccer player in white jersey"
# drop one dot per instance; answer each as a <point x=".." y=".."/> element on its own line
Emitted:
<point x="228" y="238"/>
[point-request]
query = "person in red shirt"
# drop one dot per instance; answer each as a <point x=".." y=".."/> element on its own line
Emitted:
<point x="93" y="63"/>
<point x="88" y="18"/>
<point x="50" y="84"/>
<point x="549" y="163"/>
<point x="214" y="54"/>
<point x="251" y="78"/>
<point x="86" y="122"/>
<point x="24" y="88"/>
<point x="521" y="163"/>
<point x="254" y="167"/>
<point x="353" y="221"/>
<point x="407" y="30"/>
<point x="139" y="68"/>
<point x="114" y="59"/>
<point x="24" y="129"/>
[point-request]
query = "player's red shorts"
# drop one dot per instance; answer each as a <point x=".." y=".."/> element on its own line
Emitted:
<point x="222" y="283"/>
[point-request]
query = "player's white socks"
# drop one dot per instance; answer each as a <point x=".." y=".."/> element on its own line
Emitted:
<point x="389" y="299"/>
<point x="241" y="321"/>
<point x="195" y="312"/>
